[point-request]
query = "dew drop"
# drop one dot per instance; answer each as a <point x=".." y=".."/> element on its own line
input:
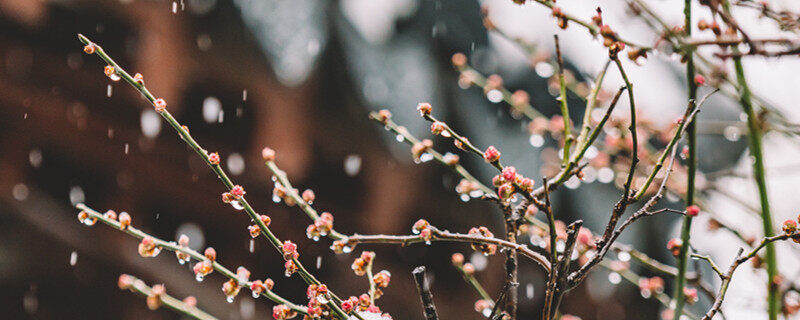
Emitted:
<point x="236" y="204"/>
<point x="114" y="77"/>
<point x="199" y="277"/>
<point x="347" y="249"/>
<point x="464" y="197"/>
<point x="229" y="299"/>
<point x="487" y="312"/>
<point x="181" y="261"/>
<point x="255" y="294"/>
<point x="73" y="257"/>
<point x="322" y="299"/>
<point x="400" y="138"/>
<point x="174" y="7"/>
<point x="446" y="134"/>
<point x="276" y="199"/>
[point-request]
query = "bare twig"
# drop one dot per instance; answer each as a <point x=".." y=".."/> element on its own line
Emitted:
<point x="425" y="293"/>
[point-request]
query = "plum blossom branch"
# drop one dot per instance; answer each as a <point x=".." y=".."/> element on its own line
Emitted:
<point x="184" y="252"/>
<point x="443" y="235"/>
<point x="157" y="296"/>
<point x="212" y="160"/>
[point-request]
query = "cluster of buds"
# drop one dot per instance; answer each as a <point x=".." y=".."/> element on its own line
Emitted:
<point x="485" y="248"/>
<point x="648" y="286"/>
<point x="423" y="229"/>
<point x="255" y="229"/>
<point x="279" y="192"/>
<point x="350" y="304"/>
<point x="321" y="227"/>
<point x="507" y="182"/>
<point x="421" y="148"/>
<point x="362" y="263"/>
<point x="183" y="242"/>
<point x="258" y="287"/>
<point x="674" y="246"/>
<point x="283" y="312"/>
<point x="318" y="292"/>
<point x="230" y="288"/>
<point x="86" y="219"/>
<point x="154" y="298"/>
<point x="205" y="267"/>
<point x="343" y="246"/>
<point x="148" y="247"/>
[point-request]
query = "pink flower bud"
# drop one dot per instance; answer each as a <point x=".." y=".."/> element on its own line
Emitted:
<point x="699" y="80"/>
<point x="789" y="226"/>
<point x="237" y="191"/>
<point x="424" y="109"/>
<point x="124" y="220"/>
<point x="491" y="154"/>
<point x="692" y="210"/>
<point x="509" y="173"/>
<point x="183" y="240"/>
<point x="268" y="154"/>
<point x="308" y="196"/>
<point x="437" y="127"/>
<point x="160" y="105"/>
<point x="213" y="158"/>
<point x="210" y="254"/>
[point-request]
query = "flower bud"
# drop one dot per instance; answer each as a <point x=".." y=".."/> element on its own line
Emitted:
<point x="699" y="80"/>
<point x="210" y="254"/>
<point x="457" y="259"/>
<point x="110" y="215"/>
<point x="237" y="191"/>
<point x="289" y="250"/>
<point x="268" y="154"/>
<point x="124" y="220"/>
<point x="308" y="196"/>
<point x="160" y="105"/>
<point x="789" y="226"/>
<point x="213" y="158"/>
<point x="384" y="116"/>
<point x="437" y="127"/>
<point x="138" y="78"/>
<point x="424" y="108"/>
<point x="89" y="48"/>
<point x="692" y="210"/>
<point x="675" y="246"/>
<point x="491" y="154"/>
<point x="125" y="281"/>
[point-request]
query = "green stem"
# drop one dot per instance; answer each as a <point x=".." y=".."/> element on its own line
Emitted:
<point x="564" y="107"/>
<point x="176" y="305"/>
<point x="683" y="256"/>
<point x="754" y="126"/>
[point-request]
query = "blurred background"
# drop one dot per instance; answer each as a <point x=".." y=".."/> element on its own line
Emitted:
<point x="300" y="77"/>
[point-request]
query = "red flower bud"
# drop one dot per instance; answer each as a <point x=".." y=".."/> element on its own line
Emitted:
<point x="692" y="210"/>
<point x="160" y="105"/>
<point x="237" y="191"/>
